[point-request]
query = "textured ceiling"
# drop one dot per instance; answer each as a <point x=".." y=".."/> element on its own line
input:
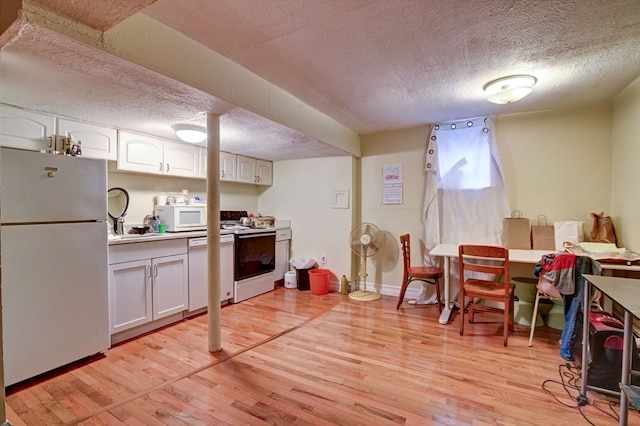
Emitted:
<point x="370" y="65"/>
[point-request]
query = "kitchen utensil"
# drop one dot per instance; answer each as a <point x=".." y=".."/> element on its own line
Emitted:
<point x="245" y="221"/>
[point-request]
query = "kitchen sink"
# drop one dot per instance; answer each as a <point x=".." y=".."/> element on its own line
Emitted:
<point x="150" y="234"/>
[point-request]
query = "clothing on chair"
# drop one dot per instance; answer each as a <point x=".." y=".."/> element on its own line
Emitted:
<point x="558" y="270"/>
<point x="573" y="301"/>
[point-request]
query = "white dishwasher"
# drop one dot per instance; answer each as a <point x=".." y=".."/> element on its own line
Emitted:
<point x="198" y="270"/>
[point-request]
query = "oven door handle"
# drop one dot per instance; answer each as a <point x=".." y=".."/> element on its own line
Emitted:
<point x="260" y="234"/>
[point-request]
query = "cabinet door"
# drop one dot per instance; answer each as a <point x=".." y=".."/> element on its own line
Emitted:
<point x="26" y="130"/>
<point x="246" y="169"/>
<point x="282" y="259"/>
<point x="129" y="294"/>
<point x="264" y="172"/>
<point x="137" y="153"/>
<point x="226" y="271"/>
<point x="228" y="164"/>
<point x="203" y="163"/>
<point x="96" y="141"/>
<point x="170" y="285"/>
<point x="181" y="159"/>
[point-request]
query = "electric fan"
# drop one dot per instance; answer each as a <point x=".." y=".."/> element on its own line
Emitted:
<point x="365" y="241"/>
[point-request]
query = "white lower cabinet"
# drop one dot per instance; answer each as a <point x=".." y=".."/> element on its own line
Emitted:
<point x="148" y="281"/>
<point x="283" y="243"/>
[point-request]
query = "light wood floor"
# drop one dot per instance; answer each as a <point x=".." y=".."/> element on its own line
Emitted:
<point x="294" y="358"/>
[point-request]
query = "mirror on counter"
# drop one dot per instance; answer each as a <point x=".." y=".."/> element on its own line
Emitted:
<point x="117" y="204"/>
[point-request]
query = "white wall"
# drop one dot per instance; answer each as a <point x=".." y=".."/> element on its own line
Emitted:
<point x="143" y="189"/>
<point x="405" y="147"/>
<point x="302" y="192"/>
<point x="556" y="163"/>
<point x="625" y="185"/>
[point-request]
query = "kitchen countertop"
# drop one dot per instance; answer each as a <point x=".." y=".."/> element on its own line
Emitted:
<point x="139" y="238"/>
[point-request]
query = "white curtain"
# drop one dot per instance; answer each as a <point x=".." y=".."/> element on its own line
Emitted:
<point x="465" y="195"/>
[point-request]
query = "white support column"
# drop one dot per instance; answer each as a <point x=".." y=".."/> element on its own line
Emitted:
<point x="213" y="231"/>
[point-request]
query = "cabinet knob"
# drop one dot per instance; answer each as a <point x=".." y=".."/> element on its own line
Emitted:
<point x="51" y="174"/>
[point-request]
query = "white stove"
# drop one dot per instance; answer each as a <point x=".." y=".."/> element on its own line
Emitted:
<point x="240" y="229"/>
<point x="254" y="256"/>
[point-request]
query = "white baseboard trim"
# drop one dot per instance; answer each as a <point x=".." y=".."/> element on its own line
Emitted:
<point x="386" y="289"/>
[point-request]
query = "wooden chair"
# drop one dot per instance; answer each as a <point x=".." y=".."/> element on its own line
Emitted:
<point x="496" y="286"/>
<point x="426" y="274"/>
<point x="539" y="295"/>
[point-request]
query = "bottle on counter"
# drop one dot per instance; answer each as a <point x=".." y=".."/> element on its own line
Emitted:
<point x="344" y="285"/>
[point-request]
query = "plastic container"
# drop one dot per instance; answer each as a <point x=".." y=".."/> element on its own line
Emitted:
<point x="290" y="279"/>
<point x="302" y="278"/>
<point x="319" y="281"/>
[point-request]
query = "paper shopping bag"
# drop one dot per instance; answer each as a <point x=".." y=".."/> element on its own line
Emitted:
<point x="568" y="231"/>
<point x="542" y="235"/>
<point x="516" y="232"/>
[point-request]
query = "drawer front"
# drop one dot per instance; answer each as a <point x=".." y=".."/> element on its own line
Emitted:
<point x="146" y="250"/>
<point x="283" y="234"/>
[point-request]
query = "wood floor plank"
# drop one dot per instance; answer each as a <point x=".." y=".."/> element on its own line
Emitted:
<point x="290" y="357"/>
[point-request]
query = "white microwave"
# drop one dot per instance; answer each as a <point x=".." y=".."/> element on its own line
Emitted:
<point x="182" y="217"/>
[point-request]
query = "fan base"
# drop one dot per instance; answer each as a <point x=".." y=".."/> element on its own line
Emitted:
<point x="364" y="296"/>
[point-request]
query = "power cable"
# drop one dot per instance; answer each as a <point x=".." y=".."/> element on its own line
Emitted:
<point x="570" y="380"/>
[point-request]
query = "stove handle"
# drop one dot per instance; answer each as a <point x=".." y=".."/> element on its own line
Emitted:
<point x="257" y="234"/>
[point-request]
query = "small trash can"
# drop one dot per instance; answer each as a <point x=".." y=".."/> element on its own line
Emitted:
<point x="302" y="278"/>
<point x="290" y="279"/>
<point x="302" y="266"/>
<point x="319" y="281"/>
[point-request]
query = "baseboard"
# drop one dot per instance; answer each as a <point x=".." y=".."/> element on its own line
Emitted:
<point x="385" y="289"/>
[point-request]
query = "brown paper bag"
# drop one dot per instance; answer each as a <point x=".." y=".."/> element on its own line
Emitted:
<point x="516" y="232"/>
<point x="542" y="235"/>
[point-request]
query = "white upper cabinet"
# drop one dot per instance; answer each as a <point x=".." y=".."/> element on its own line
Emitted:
<point x="264" y="172"/>
<point x="26" y="130"/>
<point x="246" y="169"/>
<point x="181" y="159"/>
<point x="96" y="141"/>
<point x="203" y="163"/>
<point x="228" y="167"/>
<point x="137" y="153"/>
<point x="251" y="170"/>
<point x="146" y="154"/>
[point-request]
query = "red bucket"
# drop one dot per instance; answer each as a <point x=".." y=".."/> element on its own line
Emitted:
<point x="319" y="281"/>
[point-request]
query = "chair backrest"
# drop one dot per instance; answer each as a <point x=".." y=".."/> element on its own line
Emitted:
<point x="405" y="242"/>
<point x="484" y="259"/>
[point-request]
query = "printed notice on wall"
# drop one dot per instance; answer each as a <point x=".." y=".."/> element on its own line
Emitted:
<point x="392" y="184"/>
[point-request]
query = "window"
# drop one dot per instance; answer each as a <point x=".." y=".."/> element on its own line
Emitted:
<point x="464" y="158"/>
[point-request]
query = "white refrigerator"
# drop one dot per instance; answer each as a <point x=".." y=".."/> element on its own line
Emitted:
<point x="54" y="256"/>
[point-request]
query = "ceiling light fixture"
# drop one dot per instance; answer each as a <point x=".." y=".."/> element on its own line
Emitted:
<point x="506" y="90"/>
<point x="190" y="132"/>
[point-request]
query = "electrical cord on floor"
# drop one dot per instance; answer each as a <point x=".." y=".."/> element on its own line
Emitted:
<point x="570" y="380"/>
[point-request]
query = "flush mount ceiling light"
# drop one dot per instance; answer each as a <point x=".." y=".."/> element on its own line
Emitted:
<point x="509" y="89"/>
<point x="190" y="132"/>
